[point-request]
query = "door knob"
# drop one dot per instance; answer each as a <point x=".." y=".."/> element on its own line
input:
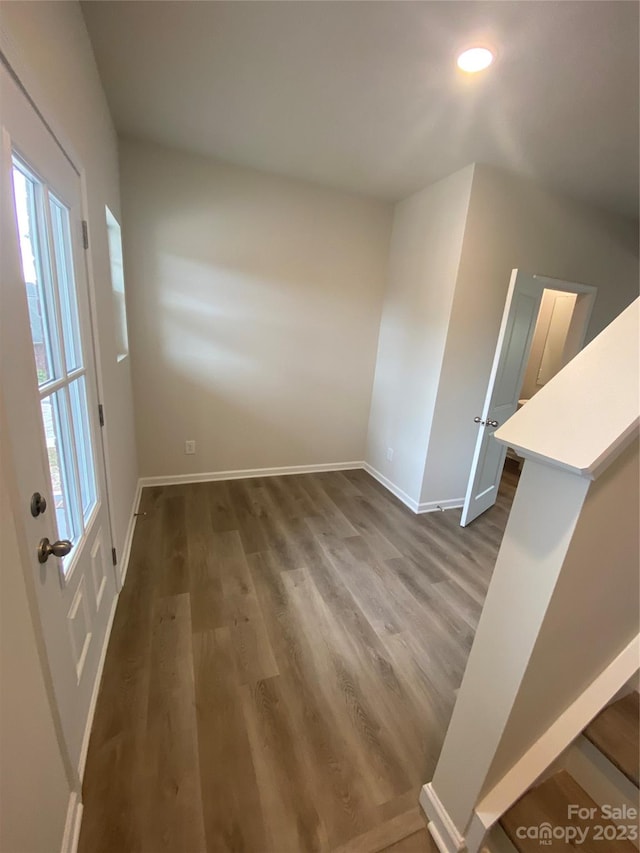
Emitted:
<point x="59" y="549"/>
<point x="493" y="423"/>
<point x="38" y="504"/>
<point x="478" y="420"/>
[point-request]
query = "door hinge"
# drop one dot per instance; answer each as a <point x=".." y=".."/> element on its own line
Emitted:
<point x="101" y="414"/>
<point x="85" y="234"/>
<point x="114" y="557"/>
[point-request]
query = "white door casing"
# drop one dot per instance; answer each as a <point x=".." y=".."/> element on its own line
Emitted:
<point x="75" y="597"/>
<point x="507" y="374"/>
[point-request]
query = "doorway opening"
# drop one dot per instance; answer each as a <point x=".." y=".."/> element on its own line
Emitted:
<point x="547" y="356"/>
<point x="544" y="326"/>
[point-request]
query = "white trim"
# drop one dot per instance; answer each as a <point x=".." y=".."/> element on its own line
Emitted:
<point x="247" y="473"/>
<point x="589" y="472"/>
<point x="391" y="487"/>
<point x="123" y="559"/>
<point x="101" y="432"/>
<point x="96" y="689"/>
<point x="443" y="830"/>
<point x="440" y="506"/>
<point x="560" y="734"/>
<point x="438" y="839"/>
<point x="414" y="506"/>
<point x="72" y="824"/>
<point x="18" y="65"/>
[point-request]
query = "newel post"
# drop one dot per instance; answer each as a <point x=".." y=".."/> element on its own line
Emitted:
<point x="563" y="599"/>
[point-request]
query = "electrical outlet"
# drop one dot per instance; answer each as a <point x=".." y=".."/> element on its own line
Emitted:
<point x="189" y="447"/>
<point x="390" y="454"/>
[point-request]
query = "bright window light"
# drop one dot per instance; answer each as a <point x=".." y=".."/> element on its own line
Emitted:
<point x="475" y="59"/>
<point x="117" y="285"/>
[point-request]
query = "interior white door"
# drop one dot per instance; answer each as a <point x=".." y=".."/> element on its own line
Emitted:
<point x="50" y="406"/>
<point x="507" y="374"/>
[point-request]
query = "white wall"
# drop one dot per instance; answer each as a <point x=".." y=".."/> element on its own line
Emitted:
<point x="50" y="41"/>
<point x="513" y="223"/>
<point x="255" y="305"/>
<point x="426" y="244"/>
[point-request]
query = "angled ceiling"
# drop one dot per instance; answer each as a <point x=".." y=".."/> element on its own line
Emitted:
<point x="365" y="96"/>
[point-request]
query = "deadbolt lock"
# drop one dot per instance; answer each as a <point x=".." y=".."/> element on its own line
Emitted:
<point x="38" y="504"/>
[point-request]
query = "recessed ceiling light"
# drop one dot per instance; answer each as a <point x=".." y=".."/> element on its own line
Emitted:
<point x="475" y="59"/>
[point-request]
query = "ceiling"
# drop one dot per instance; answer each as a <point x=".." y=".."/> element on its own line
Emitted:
<point x="365" y="96"/>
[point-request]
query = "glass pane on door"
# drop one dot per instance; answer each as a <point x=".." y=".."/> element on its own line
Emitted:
<point x="66" y="284"/>
<point x="61" y="468"/>
<point x="44" y="229"/>
<point x="78" y="394"/>
<point x="41" y="316"/>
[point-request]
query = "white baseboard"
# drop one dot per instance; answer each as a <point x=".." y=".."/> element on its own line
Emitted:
<point x="72" y="824"/>
<point x="395" y="490"/>
<point x="96" y="689"/>
<point x="414" y="506"/>
<point x="440" y="506"/>
<point x="247" y="473"/>
<point x="439" y="840"/>
<point x="442" y="829"/>
<point x="128" y="539"/>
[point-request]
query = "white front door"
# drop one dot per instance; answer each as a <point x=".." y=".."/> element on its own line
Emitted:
<point x="507" y="374"/>
<point x="51" y="408"/>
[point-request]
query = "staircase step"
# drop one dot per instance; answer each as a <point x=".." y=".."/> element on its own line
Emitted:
<point x="615" y="732"/>
<point x="549" y="804"/>
<point x="389" y="833"/>
<point x="419" y="842"/>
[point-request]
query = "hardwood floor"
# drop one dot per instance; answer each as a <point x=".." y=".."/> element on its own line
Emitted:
<point x="282" y="668"/>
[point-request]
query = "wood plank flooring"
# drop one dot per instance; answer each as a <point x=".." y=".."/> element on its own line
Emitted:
<point x="283" y="664"/>
<point x="615" y="732"/>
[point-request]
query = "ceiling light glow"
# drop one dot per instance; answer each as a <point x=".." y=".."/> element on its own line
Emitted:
<point x="475" y="59"/>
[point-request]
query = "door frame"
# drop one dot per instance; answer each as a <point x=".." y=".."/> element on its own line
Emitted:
<point x="576" y="335"/>
<point x="582" y="310"/>
<point x="24" y="80"/>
